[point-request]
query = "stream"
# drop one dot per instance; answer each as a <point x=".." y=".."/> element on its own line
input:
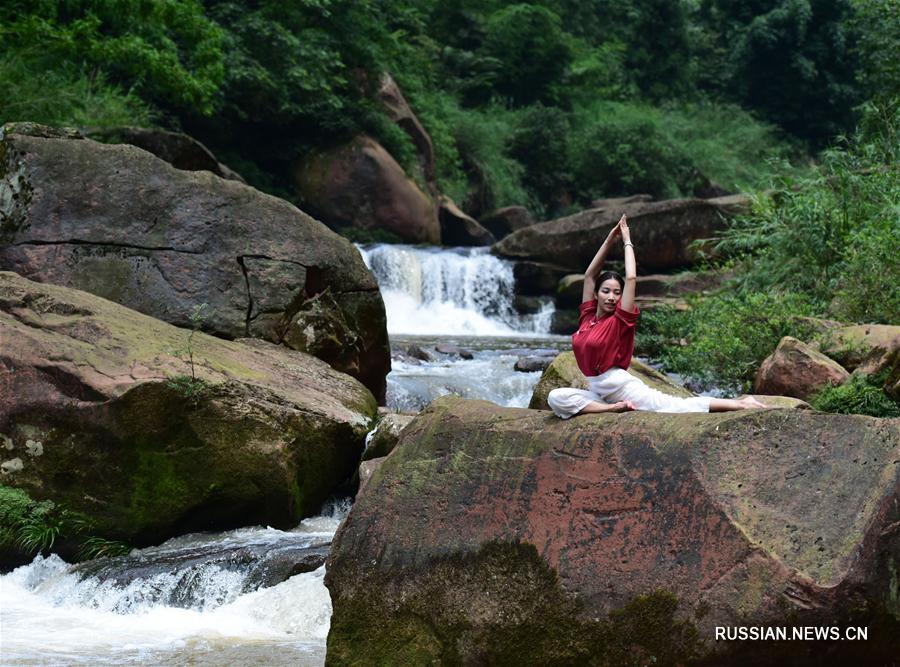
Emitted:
<point x="256" y="596"/>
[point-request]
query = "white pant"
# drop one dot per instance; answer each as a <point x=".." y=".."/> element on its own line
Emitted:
<point x="617" y="385"/>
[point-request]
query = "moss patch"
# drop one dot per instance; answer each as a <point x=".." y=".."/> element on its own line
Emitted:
<point x="502" y="606"/>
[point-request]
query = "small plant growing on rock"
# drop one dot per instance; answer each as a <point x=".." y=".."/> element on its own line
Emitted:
<point x="99" y="547"/>
<point x="190" y="386"/>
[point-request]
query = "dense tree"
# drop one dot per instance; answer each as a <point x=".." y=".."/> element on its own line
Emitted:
<point x="529" y="43"/>
<point x="793" y="60"/>
<point x="168" y="49"/>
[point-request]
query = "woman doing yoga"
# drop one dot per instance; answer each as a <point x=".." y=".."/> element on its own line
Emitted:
<point x="604" y="343"/>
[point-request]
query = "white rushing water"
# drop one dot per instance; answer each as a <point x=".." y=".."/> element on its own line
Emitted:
<point x="52" y="615"/>
<point x="450" y="291"/>
<point x="490" y="375"/>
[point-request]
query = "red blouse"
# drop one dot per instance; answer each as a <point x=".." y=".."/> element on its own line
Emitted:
<point x="604" y="343"/>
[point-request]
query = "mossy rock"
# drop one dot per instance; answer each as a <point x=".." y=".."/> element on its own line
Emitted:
<point x="506" y="536"/>
<point x="104" y="417"/>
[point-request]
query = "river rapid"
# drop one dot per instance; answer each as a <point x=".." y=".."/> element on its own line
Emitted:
<point x="231" y="598"/>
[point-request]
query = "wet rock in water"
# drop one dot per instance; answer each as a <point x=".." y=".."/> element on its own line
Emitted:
<point x="174" y="573"/>
<point x="564" y="372"/>
<point x="417" y="352"/>
<point x="663" y="233"/>
<point x="387" y="433"/>
<point x="569" y="291"/>
<point x="360" y="185"/>
<point x="459" y="229"/>
<point x="536" y="279"/>
<point x="178" y="149"/>
<point x="532" y="364"/>
<point x="525" y="539"/>
<point x="564" y="321"/>
<point x="131" y="228"/>
<point x="796" y="369"/>
<point x="528" y="305"/>
<point x="504" y="221"/>
<point x="446" y="348"/>
<point x="128" y="438"/>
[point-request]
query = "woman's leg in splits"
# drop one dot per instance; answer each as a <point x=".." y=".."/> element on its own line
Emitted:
<point x="568" y="402"/>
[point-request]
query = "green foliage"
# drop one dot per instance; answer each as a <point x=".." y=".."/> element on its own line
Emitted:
<point x="876" y="27"/>
<point x="99" y="547"/>
<point x="793" y="60"/>
<point x="167" y="49"/>
<point x="833" y="234"/>
<point x="65" y="95"/>
<point x="621" y="148"/>
<point x="540" y="143"/>
<point x="190" y="388"/>
<point x="33" y="526"/>
<point x="532" y="50"/>
<point x="482" y="138"/>
<point x="727" y="335"/>
<point x="861" y="395"/>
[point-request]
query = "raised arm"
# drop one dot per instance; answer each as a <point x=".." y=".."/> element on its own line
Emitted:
<point x="627" y="302"/>
<point x="596" y="265"/>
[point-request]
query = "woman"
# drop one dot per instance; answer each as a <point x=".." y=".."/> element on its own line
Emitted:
<point x="604" y="344"/>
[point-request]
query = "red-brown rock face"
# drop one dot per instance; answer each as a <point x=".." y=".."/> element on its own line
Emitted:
<point x="496" y="535"/>
<point x="360" y="185"/>
<point x="796" y="369"/>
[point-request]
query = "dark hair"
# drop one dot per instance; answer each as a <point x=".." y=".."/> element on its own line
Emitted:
<point x="606" y="275"/>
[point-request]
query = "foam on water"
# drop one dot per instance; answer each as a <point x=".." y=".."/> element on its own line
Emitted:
<point x="489" y="376"/>
<point x="50" y="615"/>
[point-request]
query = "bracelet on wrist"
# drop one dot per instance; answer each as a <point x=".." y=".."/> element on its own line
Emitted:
<point x="628" y="243"/>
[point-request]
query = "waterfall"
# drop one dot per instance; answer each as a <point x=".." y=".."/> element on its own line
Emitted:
<point x="450" y="291"/>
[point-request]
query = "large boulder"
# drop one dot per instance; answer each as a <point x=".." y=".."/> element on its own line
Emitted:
<point x="797" y="369"/>
<point x="399" y="111"/>
<point x="616" y="202"/>
<point x="176" y="148"/>
<point x="867" y="347"/>
<point x="505" y="536"/>
<point x="119" y="222"/>
<point x="98" y="406"/>
<point x="459" y="229"/>
<point x="360" y="185"/>
<point x="564" y="372"/>
<point x="663" y="233"/>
